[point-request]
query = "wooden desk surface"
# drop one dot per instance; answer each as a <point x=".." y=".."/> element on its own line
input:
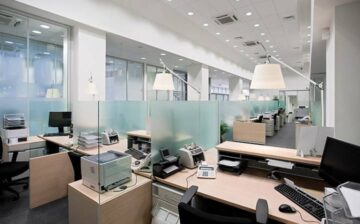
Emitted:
<point x="30" y="140"/>
<point x="242" y="191"/>
<point x="110" y="195"/>
<point x="139" y="133"/>
<point x="267" y="152"/>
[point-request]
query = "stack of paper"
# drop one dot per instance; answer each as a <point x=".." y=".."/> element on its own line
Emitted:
<point x="89" y="140"/>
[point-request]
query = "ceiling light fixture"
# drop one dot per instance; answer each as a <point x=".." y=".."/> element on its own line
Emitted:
<point x="227" y="40"/>
<point x="249" y="13"/>
<point x="180" y="59"/>
<point x="267" y="41"/>
<point x="45" y="26"/>
<point x="217" y="33"/>
<point x="205" y="24"/>
<point x="9" y="42"/>
<point x="162" y="54"/>
<point x="262" y="34"/>
<point x="190" y="13"/>
<point x="143" y="58"/>
<point x="256" y="25"/>
<point x="36" y="31"/>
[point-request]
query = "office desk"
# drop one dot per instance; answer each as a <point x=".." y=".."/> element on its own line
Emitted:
<point x="243" y="191"/>
<point x="270" y="152"/>
<point x="132" y="205"/>
<point x="33" y="142"/>
<point x="249" y="132"/>
<point x="139" y="133"/>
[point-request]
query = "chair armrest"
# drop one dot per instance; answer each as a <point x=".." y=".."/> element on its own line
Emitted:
<point x="262" y="211"/>
<point x="189" y="194"/>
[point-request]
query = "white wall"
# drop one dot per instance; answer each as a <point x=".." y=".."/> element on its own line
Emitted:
<point x="347" y="72"/>
<point x="88" y="59"/>
<point x="330" y="78"/>
<point x="235" y="88"/>
<point x="116" y="18"/>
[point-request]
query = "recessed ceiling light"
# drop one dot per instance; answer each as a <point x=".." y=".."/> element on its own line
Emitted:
<point x="143" y="58"/>
<point x="180" y="59"/>
<point x="256" y="25"/>
<point x="274" y="51"/>
<point x="36" y="31"/>
<point x="169" y="0"/>
<point x="205" y="24"/>
<point x="162" y="54"/>
<point x="235" y="46"/>
<point x="262" y="34"/>
<point x="309" y="27"/>
<point x="47" y="53"/>
<point x="190" y="13"/>
<point x="176" y="66"/>
<point x="308" y="35"/>
<point x="308" y="41"/>
<point x="247" y="55"/>
<point x="267" y="41"/>
<point x="271" y="46"/>
<point x="248" y="13"/>
<point x="227" y="40"/>
<point x="45" y="26"/>
<point x="217" y="33"/>
<point x="9" y="42"/>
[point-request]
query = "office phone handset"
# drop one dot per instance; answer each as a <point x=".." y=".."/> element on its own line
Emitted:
<point x="142" y="165"/>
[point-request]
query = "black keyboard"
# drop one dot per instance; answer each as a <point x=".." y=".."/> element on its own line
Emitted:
<point x="137" y="154"/>
<point x="55" y="134"/>
<point x="305" y="201"/>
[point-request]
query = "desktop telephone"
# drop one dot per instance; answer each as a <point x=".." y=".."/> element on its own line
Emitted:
<point x="142" y="165"/>
<point x="206" y="171"/>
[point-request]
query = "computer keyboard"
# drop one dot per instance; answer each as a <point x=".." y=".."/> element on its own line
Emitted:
<point x="137" y="154"/>
<point x="313" y="206"/>
<point x="56" y="134"/>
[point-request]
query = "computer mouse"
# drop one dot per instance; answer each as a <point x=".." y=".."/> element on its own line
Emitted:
<point x="286" y="208"/>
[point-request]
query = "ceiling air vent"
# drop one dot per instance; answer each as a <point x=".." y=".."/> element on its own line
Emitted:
<point x="238" y="38"/>
<point x="250" y="43"/>
<point x="263" y="56"/>
<point x="225" y="19"/>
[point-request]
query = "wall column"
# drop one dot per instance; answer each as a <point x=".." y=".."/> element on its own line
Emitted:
<point x="198" y="76"/>
<point x="88" y="59"/>
<point x="235" y="88"/>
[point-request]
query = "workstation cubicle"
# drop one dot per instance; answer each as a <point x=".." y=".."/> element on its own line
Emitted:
<point x="181" y="135"/>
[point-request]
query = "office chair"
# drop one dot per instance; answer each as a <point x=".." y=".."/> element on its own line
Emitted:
<point x="8" y="170"/>
<point x="75" y="159"/>
<point x="189" y="214"/>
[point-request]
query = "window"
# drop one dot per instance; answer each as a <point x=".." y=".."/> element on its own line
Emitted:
<point x="32" y="57"/>
<point x="124" y="79"/>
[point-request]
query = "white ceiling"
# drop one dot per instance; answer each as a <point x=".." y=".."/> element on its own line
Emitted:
<point x="289" y="39"/>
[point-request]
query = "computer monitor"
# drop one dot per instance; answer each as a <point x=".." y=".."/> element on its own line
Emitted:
<point x="340" y="162"/>
<point x="60" y="120"/>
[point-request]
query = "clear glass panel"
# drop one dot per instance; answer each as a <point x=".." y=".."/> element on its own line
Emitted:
<point x="115" y="78"/>
<point x="150" y="76"/>
<point x="135" y="85"/>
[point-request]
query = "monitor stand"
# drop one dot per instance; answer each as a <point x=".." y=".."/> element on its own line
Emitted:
<point x="61" y="130"/>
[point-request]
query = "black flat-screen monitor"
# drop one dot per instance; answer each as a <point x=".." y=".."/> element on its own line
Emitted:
<point x="340" y="162"/>
<point x="60" y="120"/>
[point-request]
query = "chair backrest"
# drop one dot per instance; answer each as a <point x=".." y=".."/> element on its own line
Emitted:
<point x="75" y="159"/>
<point x="189" y="215"/>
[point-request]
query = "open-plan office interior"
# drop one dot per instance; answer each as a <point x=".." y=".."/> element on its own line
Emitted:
<point x="179" y="111"/>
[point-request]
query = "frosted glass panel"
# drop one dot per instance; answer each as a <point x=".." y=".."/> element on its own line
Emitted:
<point x="84" y="117"/>
<point x="123" y="116"/>
<point x="39" y="115"/>
<point x="177" y="123"/>
<point x="135" y="73"/>
<point x="316" y="113"/>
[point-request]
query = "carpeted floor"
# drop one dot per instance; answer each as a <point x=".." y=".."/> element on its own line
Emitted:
<point x="18" y="212"/>
<point x="283" y="138"/>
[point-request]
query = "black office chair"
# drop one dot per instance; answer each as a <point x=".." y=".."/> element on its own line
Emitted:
<point x="189" y="214"/>
<point x="8" y="170"/>
<point x="75" y="159"/>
